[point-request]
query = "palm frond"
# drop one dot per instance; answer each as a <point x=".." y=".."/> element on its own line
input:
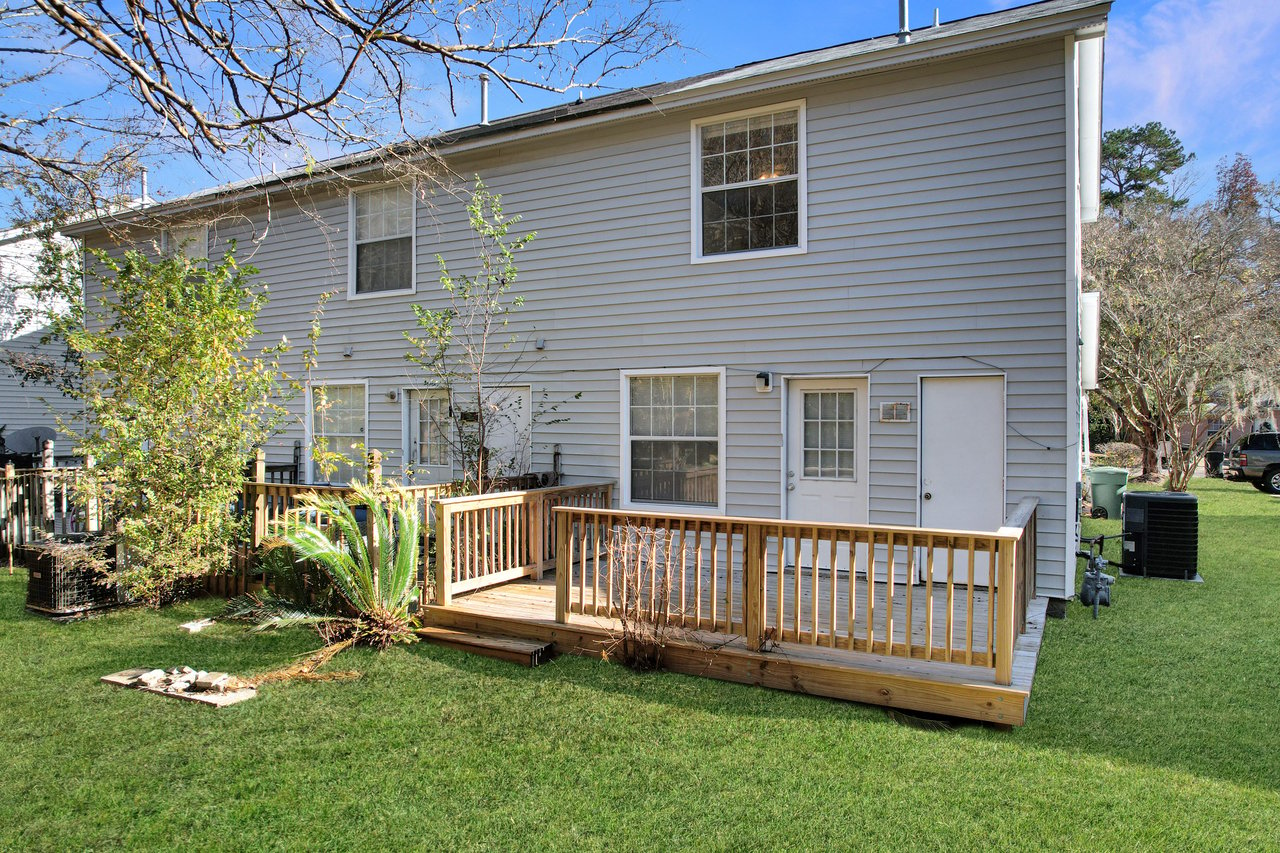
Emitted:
<point x="268" y="611"/>
<point x="380" y="583"/>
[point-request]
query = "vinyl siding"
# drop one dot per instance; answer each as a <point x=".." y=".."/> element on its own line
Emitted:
<point x="937" y="243"/>
<point x="23" y="404"/>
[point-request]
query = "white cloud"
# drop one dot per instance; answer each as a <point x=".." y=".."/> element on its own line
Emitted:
<point x="1205" y="68"/>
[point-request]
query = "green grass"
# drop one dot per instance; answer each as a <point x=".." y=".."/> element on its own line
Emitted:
<point x="1157" y="726"/>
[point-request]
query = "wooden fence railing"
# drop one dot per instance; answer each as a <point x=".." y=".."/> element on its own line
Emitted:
<point x="943" y="595"/>
<point x="49" y="500"/>
<point x="483" y="540"/>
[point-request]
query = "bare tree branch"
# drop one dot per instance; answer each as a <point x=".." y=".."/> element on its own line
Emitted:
<point x="197" y="78"/>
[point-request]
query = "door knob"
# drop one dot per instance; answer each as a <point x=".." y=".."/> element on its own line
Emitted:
<point x="791" y="487"/>
<point x="928" y="496"/>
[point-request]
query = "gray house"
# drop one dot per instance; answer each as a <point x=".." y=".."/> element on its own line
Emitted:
<point x="836" y="286"/>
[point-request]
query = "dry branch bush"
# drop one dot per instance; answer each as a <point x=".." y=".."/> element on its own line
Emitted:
<point x="641" y="596"/>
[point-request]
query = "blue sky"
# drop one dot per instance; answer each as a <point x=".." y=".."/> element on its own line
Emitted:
<point x="1206" y="68"/>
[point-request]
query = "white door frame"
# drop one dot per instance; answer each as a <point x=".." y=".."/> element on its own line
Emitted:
<point x="308" y="428"/>
<point x="785" y="418"/>
<point x="407" y="416"/>
<point x="1004" y="467"/>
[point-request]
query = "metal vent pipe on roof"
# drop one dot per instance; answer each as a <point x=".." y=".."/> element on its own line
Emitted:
<point x="484" y="98"/>
<point x="904" y="29"/>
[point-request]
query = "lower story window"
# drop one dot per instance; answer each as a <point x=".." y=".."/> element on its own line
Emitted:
<point x="337" y="432"/>
<point x="673" y="438"/>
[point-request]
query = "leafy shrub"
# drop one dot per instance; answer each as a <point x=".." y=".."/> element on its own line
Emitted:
<point x="1120" y="454"/>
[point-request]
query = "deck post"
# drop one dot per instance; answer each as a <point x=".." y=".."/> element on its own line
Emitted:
<point x="10" y="515"/>
<point x="1005" y="596"/>
<point x="92" y="522"/>
<point x="372" y="545"/>
<point x="536" y="541"/>
<point x="444" y="554"/>
<point x="564" y="556"/>
<point x="48" y="506"/>
<point x="259" y="528"/>
<point x="753" y="591"/>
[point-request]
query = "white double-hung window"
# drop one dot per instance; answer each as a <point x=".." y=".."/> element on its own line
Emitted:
<point x="749" y="183"/>
<point x="381" y="241"/>
<point x="673" y="438"/>
<point x="192" y="242"/>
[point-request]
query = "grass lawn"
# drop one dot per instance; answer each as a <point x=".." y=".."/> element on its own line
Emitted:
<point x="1157" y="726"/>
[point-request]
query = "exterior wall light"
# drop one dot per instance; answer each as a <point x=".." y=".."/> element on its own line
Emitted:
<point x="764" y="382"/>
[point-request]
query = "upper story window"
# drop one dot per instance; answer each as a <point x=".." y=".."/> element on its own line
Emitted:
<point x="190" y="242"/>
<point x="750" y="183"/>
<point x="381" y="241"/>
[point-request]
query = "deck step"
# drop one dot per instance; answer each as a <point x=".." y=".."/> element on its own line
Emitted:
<point x="514" y="649"/>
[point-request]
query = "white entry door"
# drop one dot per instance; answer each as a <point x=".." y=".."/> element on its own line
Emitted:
<point x="962" y="435"/>
<point x="430" y="448"/>
<point x="827" y="451"/>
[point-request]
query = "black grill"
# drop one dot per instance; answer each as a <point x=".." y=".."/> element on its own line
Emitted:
<point x="1162" y="531"/>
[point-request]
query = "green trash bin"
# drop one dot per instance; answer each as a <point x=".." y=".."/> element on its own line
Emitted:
<point x="1107" y="485"/>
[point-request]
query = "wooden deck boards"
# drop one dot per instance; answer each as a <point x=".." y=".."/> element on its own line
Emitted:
<point x="527" y="609"/>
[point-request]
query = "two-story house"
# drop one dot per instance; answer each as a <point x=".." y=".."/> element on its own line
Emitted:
<point x="841" y="285"/>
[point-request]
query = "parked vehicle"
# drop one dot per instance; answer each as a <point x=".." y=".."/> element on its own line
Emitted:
<point x="1256" y="459"/>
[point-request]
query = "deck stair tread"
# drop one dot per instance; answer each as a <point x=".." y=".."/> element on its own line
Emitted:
<point x="515" y="649"/>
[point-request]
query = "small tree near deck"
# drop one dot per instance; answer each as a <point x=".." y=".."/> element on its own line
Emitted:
<point x="468" y="348"/>
<point x="174" y="400"/>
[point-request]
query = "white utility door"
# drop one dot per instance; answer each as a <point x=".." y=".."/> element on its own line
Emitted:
<point x="962" y="433"/>
<point x="510" y="422"/>
<point x="827" y="452"/>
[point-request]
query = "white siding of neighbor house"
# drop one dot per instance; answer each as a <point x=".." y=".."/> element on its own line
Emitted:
<point x="937" y="243"/>
<point x="25" y="404"/>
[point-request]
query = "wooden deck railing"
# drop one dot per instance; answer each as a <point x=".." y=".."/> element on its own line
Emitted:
<point x="39" y="502"/>
<point x="483" y="540"/>
<point x="856" y="587"/>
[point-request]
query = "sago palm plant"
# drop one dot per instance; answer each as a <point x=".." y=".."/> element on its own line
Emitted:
<point x="374" y="572"/>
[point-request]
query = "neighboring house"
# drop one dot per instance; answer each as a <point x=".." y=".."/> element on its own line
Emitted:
<point x="26" y="404"/>
<point x="23" y="404"/>
<point x="841" y="285"/>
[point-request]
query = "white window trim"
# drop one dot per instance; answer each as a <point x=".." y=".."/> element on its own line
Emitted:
<point x="695" y="186"/>
<point x="309" y="427"/>
<point x="351" y="245"/>
<point x="624" y="442"/>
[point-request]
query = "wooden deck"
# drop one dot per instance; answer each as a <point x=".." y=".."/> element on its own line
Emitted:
<point x="527" y="609"/>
